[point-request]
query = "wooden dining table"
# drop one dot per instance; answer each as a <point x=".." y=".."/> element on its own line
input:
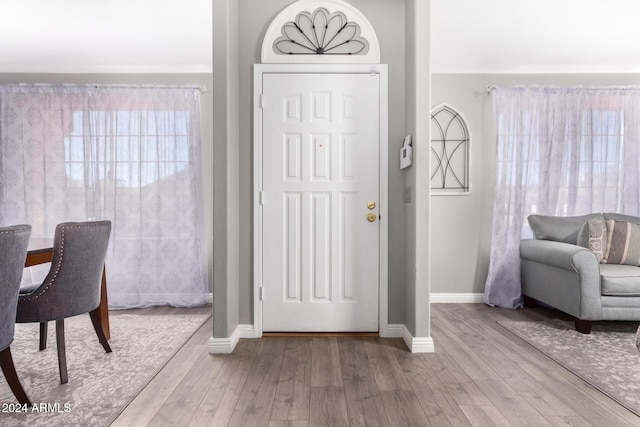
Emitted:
<point x="40" y="251"/>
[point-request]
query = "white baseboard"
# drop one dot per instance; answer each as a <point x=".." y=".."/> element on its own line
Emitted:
<point x="247" y="331"/>
<point x="395" y="331"/>
<point x="457" y="298"/>
<point x="226" y="345"/>
<point x="415" y="344"/>
<point x="420" y="344"/>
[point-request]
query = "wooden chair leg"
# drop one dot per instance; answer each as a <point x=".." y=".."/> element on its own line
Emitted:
<point x="97" y="326"/>
<point x="9" y="370"/>
<point x="43" y="335"/>
<point x="583" y="326"/>
<point x="62" y="353"/>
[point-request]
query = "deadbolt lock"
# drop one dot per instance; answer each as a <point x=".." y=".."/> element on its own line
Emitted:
<point x="371" y="217"/>
<point x="371" y="205"/>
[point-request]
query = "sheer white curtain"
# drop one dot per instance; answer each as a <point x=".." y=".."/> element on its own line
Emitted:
<point x="560" y="151"/>
<point x="126" y="154"/>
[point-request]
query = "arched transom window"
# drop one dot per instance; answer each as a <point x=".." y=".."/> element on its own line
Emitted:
<point x="320" y="31"/>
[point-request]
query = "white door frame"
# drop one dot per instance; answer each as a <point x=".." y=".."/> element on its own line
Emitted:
<point x="258" y="71"/>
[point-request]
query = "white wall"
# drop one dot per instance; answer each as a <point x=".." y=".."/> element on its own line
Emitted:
<point x="225" y="169"/>
<point x="416" y="178"/>
<point x="461" y="225"/>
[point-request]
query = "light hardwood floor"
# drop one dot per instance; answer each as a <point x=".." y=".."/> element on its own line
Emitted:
<point x="480" y="375"/>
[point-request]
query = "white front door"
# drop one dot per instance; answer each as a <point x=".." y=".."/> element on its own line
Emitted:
<point x="321" y="196"/>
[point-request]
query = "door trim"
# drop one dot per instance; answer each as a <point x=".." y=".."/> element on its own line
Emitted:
<point x="258" y="71"/>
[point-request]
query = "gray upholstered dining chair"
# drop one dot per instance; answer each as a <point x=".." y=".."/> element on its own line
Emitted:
<point x="14" y="241"/>
<point x="71" y="287"/>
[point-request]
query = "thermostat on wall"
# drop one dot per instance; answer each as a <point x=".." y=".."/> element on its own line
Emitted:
<point x="406" y="153"/>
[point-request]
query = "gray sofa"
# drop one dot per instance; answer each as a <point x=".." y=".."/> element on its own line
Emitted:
<point x="576" y="266"/>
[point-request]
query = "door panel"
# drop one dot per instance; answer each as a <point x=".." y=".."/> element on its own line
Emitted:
<point x="321" y="167"/>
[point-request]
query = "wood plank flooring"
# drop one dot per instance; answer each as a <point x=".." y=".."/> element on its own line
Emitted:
<point x="480" y="375"/>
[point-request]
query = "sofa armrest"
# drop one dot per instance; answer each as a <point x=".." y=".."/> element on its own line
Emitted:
<point x="562" y="275"/>
<point x="558" y="254"/>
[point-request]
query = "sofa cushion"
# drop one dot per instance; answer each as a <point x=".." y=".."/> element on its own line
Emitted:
<point x="593" y="236"/>
<point x="621" y="217"/>
<point x="623" y="245"/>
<point x="558" y="228"/>
<point x="620" y="280"/>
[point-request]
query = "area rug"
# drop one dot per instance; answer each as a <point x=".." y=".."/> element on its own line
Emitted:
<point x="607" y="358"/>
<point x="100" y="384"/>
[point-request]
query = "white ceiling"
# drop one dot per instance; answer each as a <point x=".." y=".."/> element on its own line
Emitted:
<point x="535" y="36"/>
<point x="468" y="36"/>
<point x="85" y="36"/>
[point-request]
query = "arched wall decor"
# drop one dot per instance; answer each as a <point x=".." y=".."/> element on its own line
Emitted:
<point x="450" y="152"/>
<point x="320" y="31"/>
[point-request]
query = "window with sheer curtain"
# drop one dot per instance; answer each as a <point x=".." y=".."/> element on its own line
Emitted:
<point x="126" y="154"/>
<point x="560" y="151"/>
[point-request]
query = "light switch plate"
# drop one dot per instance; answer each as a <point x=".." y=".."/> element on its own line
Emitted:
<point x="407" y="194"/>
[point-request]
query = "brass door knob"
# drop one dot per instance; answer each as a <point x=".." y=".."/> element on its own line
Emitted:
<point x="371" y="205"/>
<point x="371" y="217"/>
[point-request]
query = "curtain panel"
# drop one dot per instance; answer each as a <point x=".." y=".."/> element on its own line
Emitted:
<point x="559" y="151"/>
<point x="126" y="154"/>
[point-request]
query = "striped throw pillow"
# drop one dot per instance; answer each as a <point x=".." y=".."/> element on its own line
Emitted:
<point x="623" y="243"/>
